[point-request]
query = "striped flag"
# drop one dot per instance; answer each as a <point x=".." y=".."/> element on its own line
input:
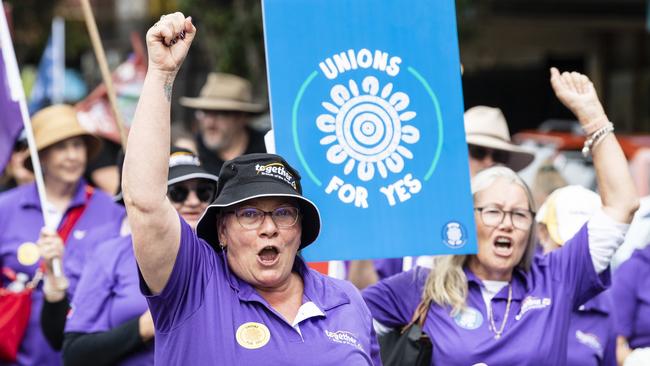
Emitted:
<point x="11" y="92"/>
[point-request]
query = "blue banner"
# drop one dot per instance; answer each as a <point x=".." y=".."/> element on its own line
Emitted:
<point x="367" y="104"/>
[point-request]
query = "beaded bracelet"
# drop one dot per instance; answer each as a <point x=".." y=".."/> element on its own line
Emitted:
<point x="595" y="138"/>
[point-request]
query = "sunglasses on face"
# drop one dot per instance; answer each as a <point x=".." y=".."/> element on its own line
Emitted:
<point x="204" y="192"/>
<point x="480" y="153"/>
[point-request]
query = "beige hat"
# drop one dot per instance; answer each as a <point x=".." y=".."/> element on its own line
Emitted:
<point x="57" y="123"/>
<point x="224" y="92"/>
<point x="566" y="210"/>
<point x="487" y="127"/>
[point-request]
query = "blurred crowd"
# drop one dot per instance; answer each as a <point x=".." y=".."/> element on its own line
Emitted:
<point x="561" y="277"/>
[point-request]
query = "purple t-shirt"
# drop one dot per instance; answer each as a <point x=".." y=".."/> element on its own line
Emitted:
<point x="631" y="295"/>
<point x="538" y="321"/>
<point x="109" y="295"/>
<point x="592" y="339"/>
<point x="206" y="315"/>
<point x="20" y="223"/>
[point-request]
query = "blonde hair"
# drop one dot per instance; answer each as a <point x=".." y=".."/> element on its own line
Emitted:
<point x="446" y="284"/>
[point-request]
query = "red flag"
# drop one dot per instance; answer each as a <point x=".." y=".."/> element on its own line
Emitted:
<point x="95" y="113"/>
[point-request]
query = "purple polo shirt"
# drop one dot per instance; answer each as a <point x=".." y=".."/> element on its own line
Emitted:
<point x="631" y="295"/>
<point x="109" y="295"/>
<point x="592" y="339"/>
<point x="21" y="222"/>
<point x="206" y="316"/>
<point x="538" y="322"/>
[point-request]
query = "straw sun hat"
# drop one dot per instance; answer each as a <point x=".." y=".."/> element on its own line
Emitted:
<point x="224" y="92"/>
<point x="487" y="127"/>
<point x="57" y="123"/>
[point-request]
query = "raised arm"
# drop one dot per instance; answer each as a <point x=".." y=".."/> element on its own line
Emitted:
<point x="154" y="222"/>
<point x="615" y="183"/>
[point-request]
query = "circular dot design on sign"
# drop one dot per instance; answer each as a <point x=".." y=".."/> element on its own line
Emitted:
<point x="366" y="128"/>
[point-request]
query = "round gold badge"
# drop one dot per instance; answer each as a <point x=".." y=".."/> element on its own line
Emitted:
<point x="28" y="254"/>
<point x="253" y="335"/>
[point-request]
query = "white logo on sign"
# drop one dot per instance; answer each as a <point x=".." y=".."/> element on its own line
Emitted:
<point x="453" y="235"/>
<point x="366" y="128"/>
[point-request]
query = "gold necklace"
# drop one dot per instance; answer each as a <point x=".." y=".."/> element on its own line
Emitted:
<point x="493" y="328"/>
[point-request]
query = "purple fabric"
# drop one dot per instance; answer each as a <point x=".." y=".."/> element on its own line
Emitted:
<point x="539" y="317"/>
<point x="202" y="307"/>
<point x="384" y="267"/>
<point x="21" y="222"/>
<point x="11" y="121"/>
<point x="109" y="295"/>
<point x="631" y="295"/>
<point x="592" y="339"/>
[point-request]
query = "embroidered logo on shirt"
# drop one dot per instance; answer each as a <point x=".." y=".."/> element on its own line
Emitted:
<point x="590" y="340"/>
<point x="79" y="234"/>
<point x="28" y="254"/>
<point x="344" y="337"/>
<point x="469" y="318"/>
<point x="253" y="335"/>
<point x="532" y="303"/>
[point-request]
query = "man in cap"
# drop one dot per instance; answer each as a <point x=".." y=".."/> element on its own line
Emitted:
<point x="222" y="111"/>
<point x="488" y="141"/>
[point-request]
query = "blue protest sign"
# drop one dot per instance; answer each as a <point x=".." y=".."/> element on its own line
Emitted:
<point x="366" y="102"/>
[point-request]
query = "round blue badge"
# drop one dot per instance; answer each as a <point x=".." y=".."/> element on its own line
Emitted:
<point x="454" y="235"/>
<point x="469" y="318"/>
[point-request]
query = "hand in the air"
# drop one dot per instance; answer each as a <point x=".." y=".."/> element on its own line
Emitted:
<point x="578" y="94"/>
<point x="168" y="42"/>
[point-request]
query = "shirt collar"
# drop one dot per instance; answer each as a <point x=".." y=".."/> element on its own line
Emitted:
<point x="520" y="285"/>
<point x="318" y="289"/>
<point x="31" y="199"/>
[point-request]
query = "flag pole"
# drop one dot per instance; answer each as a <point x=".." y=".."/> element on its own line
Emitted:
<point x="17" y="93"/>
<point x="103" y="66"/>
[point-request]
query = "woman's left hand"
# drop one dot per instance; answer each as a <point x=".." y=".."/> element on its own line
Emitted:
<point x="578" y="94"/>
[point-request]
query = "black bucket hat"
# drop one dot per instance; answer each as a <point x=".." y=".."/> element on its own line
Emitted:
<point x="254" y="176"/>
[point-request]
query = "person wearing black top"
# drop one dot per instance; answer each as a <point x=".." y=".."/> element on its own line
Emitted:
<point x="222" y="111"/>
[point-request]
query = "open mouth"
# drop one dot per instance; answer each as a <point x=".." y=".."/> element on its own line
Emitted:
<point x="503" y="245"/>
<point x="269" y="255"/>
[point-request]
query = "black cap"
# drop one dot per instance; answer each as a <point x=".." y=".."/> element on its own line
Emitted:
<point x="184" y="165"/>
<point x="255" y="176"/>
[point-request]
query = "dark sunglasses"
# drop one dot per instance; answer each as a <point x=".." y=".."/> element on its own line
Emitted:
<point x="480" y="153"/>
<point x="204" y="192"/>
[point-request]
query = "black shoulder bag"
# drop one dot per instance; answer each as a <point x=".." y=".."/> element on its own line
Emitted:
<point x="408" y="346"/>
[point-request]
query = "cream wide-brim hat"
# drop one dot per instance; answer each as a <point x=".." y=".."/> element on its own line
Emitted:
<point x="59" y="122"/>
<point x="224" y="92"/>
<point x="487" y="127"/>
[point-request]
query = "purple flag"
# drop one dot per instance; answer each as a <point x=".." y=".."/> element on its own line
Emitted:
<point x="11" y="121"/>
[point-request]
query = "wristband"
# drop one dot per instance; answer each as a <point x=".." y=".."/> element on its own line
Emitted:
<point x="595" y="138"/>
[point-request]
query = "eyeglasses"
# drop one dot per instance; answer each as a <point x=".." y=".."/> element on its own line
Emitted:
<point x="493" y="216"/>
<point x="204" y="192"/>
<point x="252" y="218"/>
<point x="480" y="153"/>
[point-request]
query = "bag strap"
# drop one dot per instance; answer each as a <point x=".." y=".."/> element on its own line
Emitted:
<point x="73" y="216"/>
<point x="419" y="315"/>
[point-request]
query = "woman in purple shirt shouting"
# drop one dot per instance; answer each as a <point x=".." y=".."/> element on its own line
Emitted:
<point x="504" y="306"/>
<point x="236" y="293"/>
